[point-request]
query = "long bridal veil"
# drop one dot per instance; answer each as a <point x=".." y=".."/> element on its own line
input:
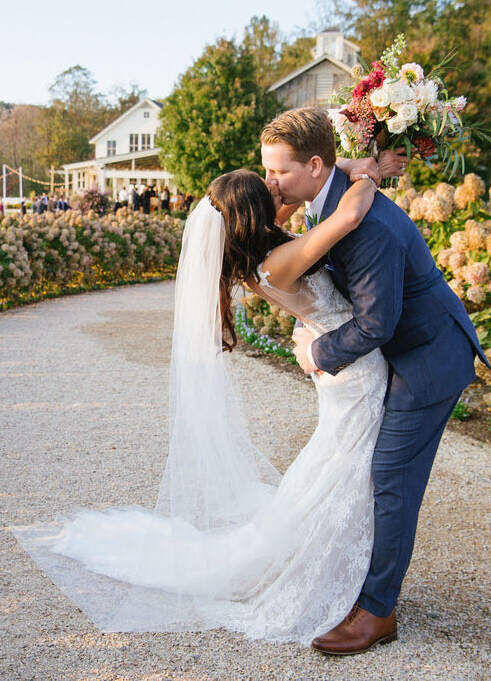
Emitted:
<point x="135" y="569"/>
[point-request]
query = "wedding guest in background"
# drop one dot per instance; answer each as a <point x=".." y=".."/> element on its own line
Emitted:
<point x="173" y="202"/>
<point x="164" y="198"/>
<point x="146" y="200"/>
<point x="131" y="188"/>
<point x="188" y="201"/>
<point x="123" y="197"/>
<point x="136" y="199"/>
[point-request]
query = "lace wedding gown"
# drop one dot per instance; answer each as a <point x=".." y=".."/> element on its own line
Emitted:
<point x="289" y="572"/>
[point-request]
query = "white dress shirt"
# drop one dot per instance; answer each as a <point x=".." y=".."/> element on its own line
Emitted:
<point x="314" y="209"/>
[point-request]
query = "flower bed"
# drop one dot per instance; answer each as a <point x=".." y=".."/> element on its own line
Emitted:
<point x="48" y="255"/>
<point x="456" y="224"/>
<point x="265" y="327"/>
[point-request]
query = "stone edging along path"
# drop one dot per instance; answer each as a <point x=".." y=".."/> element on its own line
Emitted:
<point x="83" y="417"/>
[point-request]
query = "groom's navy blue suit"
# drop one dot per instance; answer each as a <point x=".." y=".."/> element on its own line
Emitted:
<point x="401" y="304"/>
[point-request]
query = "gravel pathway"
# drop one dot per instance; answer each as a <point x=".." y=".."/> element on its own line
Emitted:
<point x="83" y="416"/>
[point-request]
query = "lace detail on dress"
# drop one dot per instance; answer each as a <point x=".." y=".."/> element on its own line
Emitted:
<point x="263" y="276"/>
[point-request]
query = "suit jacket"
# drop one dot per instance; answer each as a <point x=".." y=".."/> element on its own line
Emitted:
<point x="401" y="304"/>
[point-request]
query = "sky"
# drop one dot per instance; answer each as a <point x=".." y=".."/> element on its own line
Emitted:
<point x="149" y="42"/>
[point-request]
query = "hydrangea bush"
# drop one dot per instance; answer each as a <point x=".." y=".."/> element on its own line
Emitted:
<point x="44" y="254"/>
<point x="456" y="224"/>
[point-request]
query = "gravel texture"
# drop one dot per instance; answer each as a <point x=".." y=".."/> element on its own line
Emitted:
<point x="83" y="415"/>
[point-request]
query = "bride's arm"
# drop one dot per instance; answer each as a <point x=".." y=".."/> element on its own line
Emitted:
<point x="287" y="263"/>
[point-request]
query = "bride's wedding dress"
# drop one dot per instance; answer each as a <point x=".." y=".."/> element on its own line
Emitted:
<point x="287" y="567"/>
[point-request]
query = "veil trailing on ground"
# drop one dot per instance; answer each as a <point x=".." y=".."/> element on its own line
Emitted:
<point x="133" y="569"/>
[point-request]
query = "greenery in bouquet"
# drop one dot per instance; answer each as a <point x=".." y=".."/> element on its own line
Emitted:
<point x="393" y="105"/>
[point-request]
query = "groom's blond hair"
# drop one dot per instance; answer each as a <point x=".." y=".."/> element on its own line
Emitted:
<point x="307" y="131"/>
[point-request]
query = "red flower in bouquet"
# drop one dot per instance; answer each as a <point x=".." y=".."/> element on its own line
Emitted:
<point x="376" y="78"/>
<point x="362" y="88"/>
<point x="425" y="146"/>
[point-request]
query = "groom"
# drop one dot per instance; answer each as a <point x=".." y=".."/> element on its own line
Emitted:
<point x="402" y="305"/>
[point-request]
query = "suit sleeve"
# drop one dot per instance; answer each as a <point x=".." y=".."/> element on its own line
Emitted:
<point x="374" y="270"/>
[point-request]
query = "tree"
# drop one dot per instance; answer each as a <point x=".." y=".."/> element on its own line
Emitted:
<point x="262" y="40"/>
<point x="275" y="56"/>
<point x="20" y="143"/>
<point x="294" y="55"/>
<point x="212" y="121"/>
<point x="126" y="97"/>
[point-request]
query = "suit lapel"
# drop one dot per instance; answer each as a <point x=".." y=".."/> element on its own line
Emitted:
<point x="338" y="186"/>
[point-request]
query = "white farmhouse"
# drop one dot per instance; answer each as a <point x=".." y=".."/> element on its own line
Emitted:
<point x="315" y="83"/>
<point x="124" y="152"/>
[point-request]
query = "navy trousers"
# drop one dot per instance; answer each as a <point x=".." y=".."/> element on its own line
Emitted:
<point x="402" y="462"/>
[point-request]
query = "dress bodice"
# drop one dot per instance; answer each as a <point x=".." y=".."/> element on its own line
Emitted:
<point x="317" y="301"/>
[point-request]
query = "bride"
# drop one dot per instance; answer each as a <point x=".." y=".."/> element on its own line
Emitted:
<point x="230" y="543"/>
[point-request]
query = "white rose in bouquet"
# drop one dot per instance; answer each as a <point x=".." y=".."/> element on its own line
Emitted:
<point x="396" y="124"/>
<point x="407" y="111"/>
<point x="399" y="92"/>
<point x="425" y="94"/>
<point x="380" y="97"/>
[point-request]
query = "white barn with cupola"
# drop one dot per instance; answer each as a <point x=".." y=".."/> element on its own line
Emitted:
<point x="315" y="83"/>
<point x="125" y="152"/>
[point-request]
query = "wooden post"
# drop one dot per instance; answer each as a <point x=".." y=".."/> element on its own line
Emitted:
<point x="52" y="180"/>
<point x="20" y="183"/>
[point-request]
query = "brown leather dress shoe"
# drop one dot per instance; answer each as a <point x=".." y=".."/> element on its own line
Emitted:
<point x="359" y="631"/>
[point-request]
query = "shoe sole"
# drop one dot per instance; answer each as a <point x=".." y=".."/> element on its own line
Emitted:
<point x="382" y="641"/>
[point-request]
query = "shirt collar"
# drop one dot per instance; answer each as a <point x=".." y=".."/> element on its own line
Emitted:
<point x="314" y="208"/>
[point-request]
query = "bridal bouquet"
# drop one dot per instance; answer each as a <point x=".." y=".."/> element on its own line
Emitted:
<point x="392" y="106"/>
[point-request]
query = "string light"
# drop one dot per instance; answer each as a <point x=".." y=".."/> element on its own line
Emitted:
<point x="33" y="179"/>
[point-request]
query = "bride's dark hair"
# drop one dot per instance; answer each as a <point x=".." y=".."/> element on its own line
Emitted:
<point x="243" y="199"/>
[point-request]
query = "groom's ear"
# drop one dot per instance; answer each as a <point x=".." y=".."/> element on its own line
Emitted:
<point x="316" y="166"/>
